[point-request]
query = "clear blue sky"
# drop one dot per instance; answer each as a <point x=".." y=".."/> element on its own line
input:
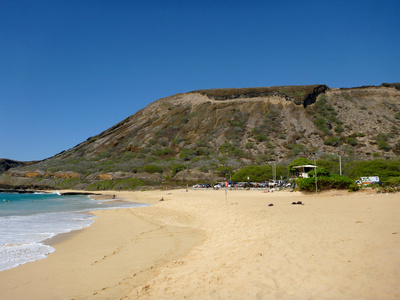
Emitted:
<point x="71" y="69"/>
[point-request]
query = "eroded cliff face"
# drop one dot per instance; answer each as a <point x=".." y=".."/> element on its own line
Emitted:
<point x="248" y="126"/>
<point x="300" y="95"/>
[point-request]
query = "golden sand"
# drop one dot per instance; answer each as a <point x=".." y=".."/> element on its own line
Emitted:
<point x="208" y="244"/>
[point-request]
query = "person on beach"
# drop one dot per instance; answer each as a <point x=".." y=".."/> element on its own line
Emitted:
<point x="162" y="199"/>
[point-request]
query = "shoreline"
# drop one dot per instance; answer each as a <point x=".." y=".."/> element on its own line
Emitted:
<point x="62" y="237"/>
<point x="201" y="245"/>
<point x="25" y="281"/>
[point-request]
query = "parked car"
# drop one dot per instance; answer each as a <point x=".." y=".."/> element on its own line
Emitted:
<point x="202" y="185"/>
<point x="241" y="185"/>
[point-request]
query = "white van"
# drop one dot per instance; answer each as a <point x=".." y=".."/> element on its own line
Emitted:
<point x="367" y="180"/>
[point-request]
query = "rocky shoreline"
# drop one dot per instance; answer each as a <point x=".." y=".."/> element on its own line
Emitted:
<point x="19" y="191"/>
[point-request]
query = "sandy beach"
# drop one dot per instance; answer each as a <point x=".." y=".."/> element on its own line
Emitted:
<point x="208" y="244"/>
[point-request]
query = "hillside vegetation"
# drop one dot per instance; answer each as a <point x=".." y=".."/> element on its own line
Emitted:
<point x="209" y="134"/>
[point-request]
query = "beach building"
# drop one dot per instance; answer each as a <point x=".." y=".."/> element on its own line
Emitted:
<point x="302" y="171"/>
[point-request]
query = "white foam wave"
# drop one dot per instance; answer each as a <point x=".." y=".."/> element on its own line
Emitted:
<point x="21" y="237"/>
<point x="27" y="222"/>
<point x="13" y="255"/>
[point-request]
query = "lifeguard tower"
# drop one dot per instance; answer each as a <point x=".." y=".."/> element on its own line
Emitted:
<point x="302" y="171"/>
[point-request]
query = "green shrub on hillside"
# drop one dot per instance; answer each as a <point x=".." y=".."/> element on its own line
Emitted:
<point x="269" y="145"/>
<point x="306" y="184"/>
<point x="324" y="116"/>
<point x="382" y="137"/>
<point x="151" y="158"/>
<point x="187" y="154"/>
<point x="69" y="183"/>
<point x="152" y="169"/>
<point x="382" y="145"/>
<point x="235" y="134"/>
<point x="128" y="155"/>
<point x="163" y="142"/>
<point x="122" y="184"/>
<point x="352" y="141"/>
<point x="202" y="151"/>
<point x="333" y="141"/>
<point x="298" y="149"/>
<point x="104" y="154"/>
<point x="261" y="137"/>
<point x="320" y="172"/>
<point x="152" y="142"/>
<point x="236" y="122"/>
<point x="177" y="168"/>
<point x="249" y="145"/>
<point x="261" y="159"/>
<point x="322" y="124"/>
<point x="164" y="151"/>
<point x="255" y="173"/>
<point x="177" y="140"/>
<point x="224" y="171"/>
<point x="392" y="182"/>
<point x="160" y="133"/>
<point x="354" y="187"/>
<point x="202" y="143"/>
<point x="260" y="173"/>
<point x="324" y="183"/>
<point x="145" y="150"/>
<point x="339" y="128"/>
<point x="231" y="150"/>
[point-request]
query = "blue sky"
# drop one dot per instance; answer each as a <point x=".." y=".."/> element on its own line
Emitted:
<point x="72" y="69"/>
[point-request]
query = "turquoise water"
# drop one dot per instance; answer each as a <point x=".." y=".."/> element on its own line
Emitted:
<point x="27" y="220"/>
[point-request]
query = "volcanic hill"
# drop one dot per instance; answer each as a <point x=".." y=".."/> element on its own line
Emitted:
<point x="190" y="136"/>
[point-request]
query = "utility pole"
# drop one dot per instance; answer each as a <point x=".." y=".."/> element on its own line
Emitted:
<point x="274" y="170"/>
<point x="315" y="173"/>
<point x="273" y="163"/>
<point x="340" y="163"/>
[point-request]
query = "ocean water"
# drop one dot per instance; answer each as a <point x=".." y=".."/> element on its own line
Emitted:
<point x="27" y="220"/>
